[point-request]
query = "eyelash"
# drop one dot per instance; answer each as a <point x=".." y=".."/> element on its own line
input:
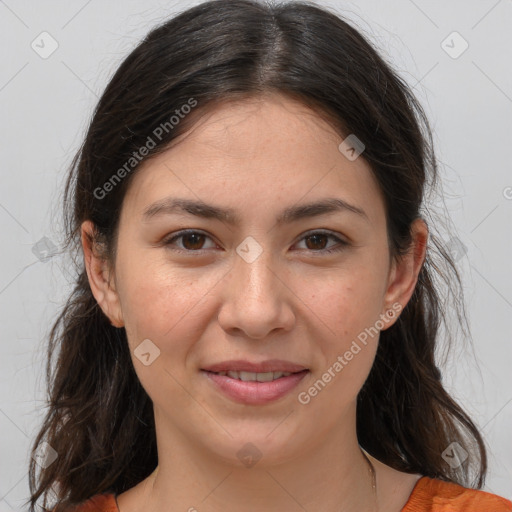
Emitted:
<point x="341" y="243"/>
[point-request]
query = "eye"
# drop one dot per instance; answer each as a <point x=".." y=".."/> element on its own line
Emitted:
<point x="318" y="238"/>
<point x="192" y="240"/>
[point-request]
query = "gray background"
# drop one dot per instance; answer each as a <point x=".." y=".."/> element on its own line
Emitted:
<point x="46" y="103"/>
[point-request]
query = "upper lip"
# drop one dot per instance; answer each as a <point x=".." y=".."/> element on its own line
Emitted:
<point x="271" y="365"/>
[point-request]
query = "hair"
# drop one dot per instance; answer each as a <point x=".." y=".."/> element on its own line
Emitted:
<point x="100" y="419"/>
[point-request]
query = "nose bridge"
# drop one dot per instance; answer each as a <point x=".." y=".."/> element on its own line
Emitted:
<point x="255" y="281"/>
<point x="255" y="300"/>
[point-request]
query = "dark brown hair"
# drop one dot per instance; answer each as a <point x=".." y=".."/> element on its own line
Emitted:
<point x="100" y="419"/>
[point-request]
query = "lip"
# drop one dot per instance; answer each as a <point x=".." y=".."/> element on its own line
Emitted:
<point x="255" y="393"/>
<point x="270" y="365"/>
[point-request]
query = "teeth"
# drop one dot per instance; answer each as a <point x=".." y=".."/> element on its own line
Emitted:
<point x="255" y="377"/>
<point x="275" y="375"/>
<point x="267" y="377"/>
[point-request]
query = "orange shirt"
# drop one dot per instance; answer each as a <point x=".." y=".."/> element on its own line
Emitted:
<point x="428" y="495"/>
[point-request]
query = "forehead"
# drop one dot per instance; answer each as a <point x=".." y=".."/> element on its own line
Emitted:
<point x="261" y="151"/>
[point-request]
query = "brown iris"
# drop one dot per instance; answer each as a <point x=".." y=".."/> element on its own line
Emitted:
<point x="197" y="240"/>
<point x="316" y="237"/>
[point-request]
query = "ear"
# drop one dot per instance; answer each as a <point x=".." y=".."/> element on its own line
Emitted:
<point x="404" y="271"/>
<point x="100" y="276"/>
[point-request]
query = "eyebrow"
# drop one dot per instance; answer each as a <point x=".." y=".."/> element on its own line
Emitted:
<point x="171" y="205"/>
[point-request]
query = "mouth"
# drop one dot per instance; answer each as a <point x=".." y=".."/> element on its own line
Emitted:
<point x="270" y="365"/>
<point x="254" y="388"/>
<point x="255" y="376"/>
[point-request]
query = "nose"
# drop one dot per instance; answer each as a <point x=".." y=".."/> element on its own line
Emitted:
<point x="256" y="299"/>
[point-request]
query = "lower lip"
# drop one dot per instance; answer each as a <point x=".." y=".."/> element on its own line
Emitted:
<point x="255" y="393"/>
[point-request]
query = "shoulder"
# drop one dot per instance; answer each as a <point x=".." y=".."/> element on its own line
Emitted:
<point x="105" y="502"/>
<point x="433" y="495"/>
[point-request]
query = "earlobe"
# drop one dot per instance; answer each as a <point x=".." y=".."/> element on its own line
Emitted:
<point x="100" y="276"/>
<point x="405" y="269"/>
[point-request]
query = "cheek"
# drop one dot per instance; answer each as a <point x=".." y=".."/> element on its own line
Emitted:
<point x="347" y="349"/>
<point x="345" y="312"/>
<point x="170" y="308"/>
<point x="347" y="359"/>
<point x="347" y="302"/>
<point x="163" y="304"/>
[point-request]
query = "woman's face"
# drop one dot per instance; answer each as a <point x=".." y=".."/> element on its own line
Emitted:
<point x="253" y="285"/>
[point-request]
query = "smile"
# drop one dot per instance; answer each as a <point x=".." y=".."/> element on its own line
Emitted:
<point x="254" y="388"/>
<point x="254" y="377"/>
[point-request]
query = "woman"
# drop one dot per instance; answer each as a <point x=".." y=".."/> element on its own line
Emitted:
<point x="254" y="320"/>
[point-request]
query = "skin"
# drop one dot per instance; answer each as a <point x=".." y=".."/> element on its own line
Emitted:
<point x="293" y="302"/>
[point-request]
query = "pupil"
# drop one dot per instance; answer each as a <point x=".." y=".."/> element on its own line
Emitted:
<point x="315" y="237"/>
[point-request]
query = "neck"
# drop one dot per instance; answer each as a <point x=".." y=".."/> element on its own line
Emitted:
<point x="332" y="474"/>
